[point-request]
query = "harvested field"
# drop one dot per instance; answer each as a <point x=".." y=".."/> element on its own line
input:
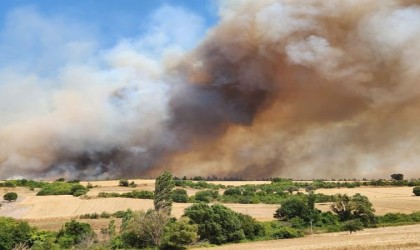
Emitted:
<point x="384" y="199"/>
<point x="402" y="237"/>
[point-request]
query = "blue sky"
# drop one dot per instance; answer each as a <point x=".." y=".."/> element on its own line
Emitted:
<point x="35" y="32"/>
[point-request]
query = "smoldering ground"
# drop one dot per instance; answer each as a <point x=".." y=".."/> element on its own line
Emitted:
<point x="302" y="89"/>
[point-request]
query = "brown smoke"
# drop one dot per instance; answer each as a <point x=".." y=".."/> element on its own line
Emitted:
<point x="300" y="88"/>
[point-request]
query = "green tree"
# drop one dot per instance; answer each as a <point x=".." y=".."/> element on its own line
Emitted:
<point x="217" y="224"/>
<point x="74" y="233"/>
<point x="292" y="207"/>
<point x="11" y="196"/>
<point x="355" y="207"/>
<point x="144" y="229"/>
<point x="353" y="226"/>
<point x="163" y="189"/>
<point x="416" y="191"/>
<point x="397" y="177"/>
<point x="13" y="232"/>
<point x="180" y="233"/>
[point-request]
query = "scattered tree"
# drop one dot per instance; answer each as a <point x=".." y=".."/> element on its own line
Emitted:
<point x="290" y="208"/>
<point x="397" y="177"/>
<point x="355" y="207"/>
<point x="163" y="190"/>
<point x="11" y="196"/>
<point x="13" y="232"/>
<point x="217" y="224"/>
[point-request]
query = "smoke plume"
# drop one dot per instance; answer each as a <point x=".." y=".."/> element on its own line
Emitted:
<point x="298" y="88"/>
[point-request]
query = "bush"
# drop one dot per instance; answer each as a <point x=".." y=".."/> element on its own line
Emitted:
<point x="180" y="233"/>
<point x="11" y="196"/>
<point x="290" y="208"/>
<point x="353" y="226"/>
<point x="13" y="232"/>
<point x="233" y="191"/>
<point x="179" y="195"/>
<point x="74" y="233"/>
<point x="217" y="224"/>
<point x="62" y="188"/>
<point x="206" y="195"/>
<point x="416" y="191"/>
<point x="123" y="183"/>
<point x="286" y="233"/>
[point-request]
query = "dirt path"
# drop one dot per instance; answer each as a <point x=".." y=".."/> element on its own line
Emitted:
<point x="402" y="237"/>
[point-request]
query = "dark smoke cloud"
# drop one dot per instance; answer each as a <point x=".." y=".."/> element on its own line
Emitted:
<point x="304" y="89"/>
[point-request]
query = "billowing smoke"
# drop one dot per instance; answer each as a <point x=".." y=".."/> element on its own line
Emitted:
<point x="299" y="88"/>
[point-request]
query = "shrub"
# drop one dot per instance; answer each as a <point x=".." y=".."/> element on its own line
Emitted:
<point x="217" y="224"/>
<point x="206" y="195"/>
<point x="123" y="183"/>
<point x="286" y="233"/>
<point x="353" y="226"/>
<point x="180" y="233"/>
<point x="290" y="208"/>
<point x="13" y="232"/>
<point x="11" y="196"/>
<point x="416" y="191"/>
<point x="233" y="191"/>
<point x="179" y="195"/>
<point x="74" y="233"/>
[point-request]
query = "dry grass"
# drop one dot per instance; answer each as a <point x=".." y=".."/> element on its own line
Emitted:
<point x="403" y="237"/>
<point x="384" y="199"/>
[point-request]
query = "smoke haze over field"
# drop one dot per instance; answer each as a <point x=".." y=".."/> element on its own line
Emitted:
<point x="299" y="88"/>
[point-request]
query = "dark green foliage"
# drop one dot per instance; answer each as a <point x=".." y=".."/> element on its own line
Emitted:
<point x="292" y="207"/>
<point x="179" y="234"/>
<point x="217" y="224"/>
<point x="179" y="195"/>
<point x="13" y="232"/>
<point x="163" y="189"/>
<point x="142" y="194"/>
<point x="398" y="219"/>
<point x="135" y="194"/>
<point x="206" y="195"/>
<point x="60" y="180"/>
<point x="74" y="233"/>
<point x="62" y="188"/>
<point x="286" y="233"/>
<point x="123" y="183"/>
<point x="233" y="191"/>
<point x="397" y="177"/>
<point x="353" y="225"/>
<point x="132" y="184"/>
<point x="11" y="196"/>
<point x="252" y="229"/>
<point x="355" y="207"/>
<point x="416" y="191"/>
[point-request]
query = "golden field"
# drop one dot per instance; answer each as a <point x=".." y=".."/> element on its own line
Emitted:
<point x="51" y="212"/>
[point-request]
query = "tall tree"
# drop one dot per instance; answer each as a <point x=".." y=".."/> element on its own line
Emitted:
<point x="163" y="190"/>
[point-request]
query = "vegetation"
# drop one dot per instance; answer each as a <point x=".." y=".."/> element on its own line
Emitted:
<point x="135" y="194"/>
<point x="63" y="188"/>
<point x="416" y="191"/>
<point x="13" y="232"/>
<point x="218" y="224"/>
<point x="74" y="233"/>
<point x="353" y="225"/>
<point x="163" y="190"/>
<point x="11" y="196"/>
